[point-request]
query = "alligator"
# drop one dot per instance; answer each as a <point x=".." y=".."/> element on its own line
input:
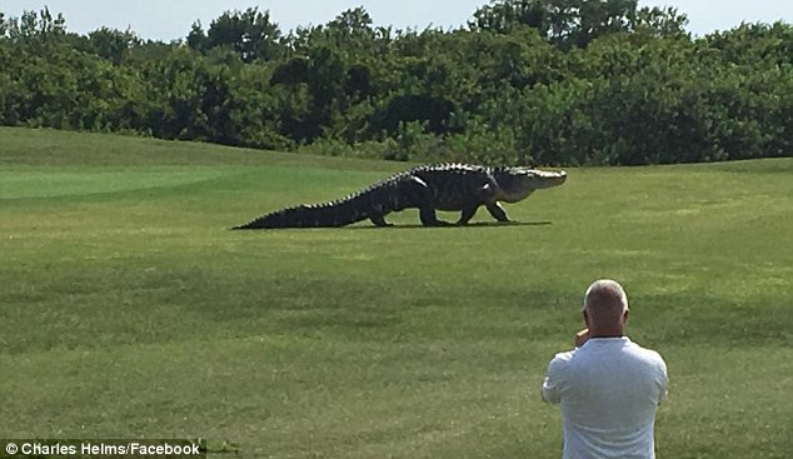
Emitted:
<point x="447" y="187"/>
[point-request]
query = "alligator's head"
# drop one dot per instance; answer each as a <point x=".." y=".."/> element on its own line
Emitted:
<point x="517" y="183"/>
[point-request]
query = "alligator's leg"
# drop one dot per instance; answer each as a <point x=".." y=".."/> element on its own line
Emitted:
<point x="468" y="214"/>
<point x="379" y="220"/>
<point x="427" y="211"/>
<point x="497" y="212"/>
<point x="429" y="218"/>
<point x="419" y="195"/>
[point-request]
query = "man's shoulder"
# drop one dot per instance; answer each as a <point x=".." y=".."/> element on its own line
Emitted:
<point x="647" y="354"/>
<point x="563" y="357"/>
<point x="561" y="360"/>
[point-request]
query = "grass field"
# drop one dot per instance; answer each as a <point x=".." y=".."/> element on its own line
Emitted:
<point x="128" y="310"/>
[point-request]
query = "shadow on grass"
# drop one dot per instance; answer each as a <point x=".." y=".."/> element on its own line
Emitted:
<point x="411" y="226"/>
<point x="451" y="225"/>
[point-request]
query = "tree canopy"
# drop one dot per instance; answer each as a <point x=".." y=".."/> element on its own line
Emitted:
<point x="524" y="81"/>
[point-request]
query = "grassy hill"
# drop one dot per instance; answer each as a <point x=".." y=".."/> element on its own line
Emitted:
<point x="129" y="310"/>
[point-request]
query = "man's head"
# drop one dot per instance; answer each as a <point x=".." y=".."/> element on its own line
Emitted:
<point x="605" y="308"/>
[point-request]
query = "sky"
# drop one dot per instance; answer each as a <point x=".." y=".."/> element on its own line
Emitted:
<point x="171" y="19"/>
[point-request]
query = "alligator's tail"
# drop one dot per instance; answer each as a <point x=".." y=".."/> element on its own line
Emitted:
<point x="332" y="214"/>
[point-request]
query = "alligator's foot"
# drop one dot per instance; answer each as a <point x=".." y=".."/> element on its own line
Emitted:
<point x="429" y="218"/>
<point x="437" y="223"/>
<point x="380" y="221"/>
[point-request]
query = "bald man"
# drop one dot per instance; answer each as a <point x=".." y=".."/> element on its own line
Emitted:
<point x="608" y="387"/>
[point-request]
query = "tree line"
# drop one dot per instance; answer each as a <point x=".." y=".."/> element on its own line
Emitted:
<point x="551" y="82"/>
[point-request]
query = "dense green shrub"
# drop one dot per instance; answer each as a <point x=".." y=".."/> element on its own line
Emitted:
<point x="525" y="82"/>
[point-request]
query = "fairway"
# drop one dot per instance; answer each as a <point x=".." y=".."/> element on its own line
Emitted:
<point x="129" y="310"/>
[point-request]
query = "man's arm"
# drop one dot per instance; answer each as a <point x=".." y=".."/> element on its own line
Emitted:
<point x="553" y="384"/>
<point x="663" y="380"/>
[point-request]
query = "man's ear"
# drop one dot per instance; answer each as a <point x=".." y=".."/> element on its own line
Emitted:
<point x="586" y="317"/>
<point x="625" y="315"/>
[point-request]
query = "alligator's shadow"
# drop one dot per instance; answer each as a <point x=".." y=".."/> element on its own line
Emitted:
<point x="450" y="226"/>
<point x="418" y="225"/>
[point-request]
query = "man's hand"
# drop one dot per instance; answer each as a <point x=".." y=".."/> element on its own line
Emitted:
<point x="581" y="337"/>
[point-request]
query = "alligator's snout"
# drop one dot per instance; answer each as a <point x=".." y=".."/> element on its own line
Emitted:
<point x="553" y="178"/>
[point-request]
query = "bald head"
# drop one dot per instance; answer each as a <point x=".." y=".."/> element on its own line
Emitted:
<point x="605" y="307"/>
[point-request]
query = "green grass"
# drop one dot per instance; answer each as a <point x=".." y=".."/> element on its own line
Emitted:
<point x="127" y="309"/>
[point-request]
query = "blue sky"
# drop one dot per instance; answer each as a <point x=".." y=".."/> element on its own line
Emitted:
<point x="167" y="20"/>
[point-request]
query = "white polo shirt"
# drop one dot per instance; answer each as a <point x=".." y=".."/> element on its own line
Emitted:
<point x="609" y="390"/>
